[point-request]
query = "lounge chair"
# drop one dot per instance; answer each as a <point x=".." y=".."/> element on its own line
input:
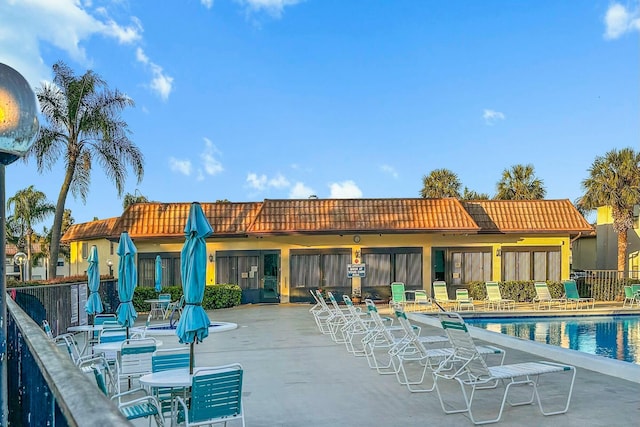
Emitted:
<point x="359" y="325"/>
<point x="543" y="297"/>
<point x="216" y="397"/>
<point x="380" y="340"/>
<point x="441" y="295"/>
<point x="321" y="312"/>
<point x="572" y="296"/>
<point x="471" y="371"/>
<point x="463" y="300"/>
<point x="414" y="352"/>
<point x="421" y="299"/>
<point x="398" y="295"/>
<point x="494" y="300"/>
<point x="630" y="297"/>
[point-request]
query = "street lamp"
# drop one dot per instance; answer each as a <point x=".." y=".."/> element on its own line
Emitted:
<point x="20" y="259"/>
<point x="18" y="128"/>
<point x="110" y="265"/>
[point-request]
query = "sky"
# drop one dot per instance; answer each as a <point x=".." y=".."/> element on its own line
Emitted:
<point x="248" y="100"/>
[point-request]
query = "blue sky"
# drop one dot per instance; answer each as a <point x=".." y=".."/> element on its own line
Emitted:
<point x="252" y="99"/>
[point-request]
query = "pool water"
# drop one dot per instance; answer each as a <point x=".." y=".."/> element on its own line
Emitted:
<point x="616" y="337"/>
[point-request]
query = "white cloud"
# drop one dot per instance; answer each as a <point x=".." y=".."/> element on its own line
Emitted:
<point x="26" y="26"/>
<point x="272" y="7"/>
<point x="257" y="182"/>
<point x="207" y="3"/>
<point x="345" y="190"/>
<point x="491" y="117"/>
<point x="161" y="83"/>
<point x="212" y="166"/>
<point x="261" y="182"/>
<point x="619" y="20"/>
<point x="300" y="191"/>
<point x="181" y="166"/>
<point x="390" y="170"/>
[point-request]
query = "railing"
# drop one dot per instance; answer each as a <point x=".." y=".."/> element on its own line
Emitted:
<point x="44" y="386"/>
<point x="56" y="303"/>
<point x="606" y="285"/>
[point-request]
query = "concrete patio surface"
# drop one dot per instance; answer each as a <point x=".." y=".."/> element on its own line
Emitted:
<point x="295" y="376"/>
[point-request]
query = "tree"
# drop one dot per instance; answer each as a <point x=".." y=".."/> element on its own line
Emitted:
<point x="440" y="183"/>
<point x="83" y="125"/>
<point x="474" y="195"/>
<point x="130" y="199"/>
<point x="614" y="181"/>
<point x="30" y="207"/>
<point x="520" y="183"/>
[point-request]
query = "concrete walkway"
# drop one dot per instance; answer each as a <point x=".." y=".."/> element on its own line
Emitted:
<point x="294" y="376"/>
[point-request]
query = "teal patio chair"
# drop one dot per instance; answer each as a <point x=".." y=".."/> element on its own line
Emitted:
<point x="216" y="397"/>
<point x="630" y="297"/>
<point x="163" y="360"/>
<point x="572" y="296"/>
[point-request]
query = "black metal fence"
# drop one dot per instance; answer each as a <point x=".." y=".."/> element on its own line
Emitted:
<point x="605" y="285"/>
<point x="61" y="304"/>
<point x="44" y="387"/>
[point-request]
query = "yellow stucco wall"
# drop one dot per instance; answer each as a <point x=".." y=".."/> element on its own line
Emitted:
<point x="78" y="265"/>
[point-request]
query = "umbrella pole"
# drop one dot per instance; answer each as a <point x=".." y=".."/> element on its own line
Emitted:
<point x="191" y="359"/>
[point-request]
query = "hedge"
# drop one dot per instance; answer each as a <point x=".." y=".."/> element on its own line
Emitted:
<point x="215" y="296"/>
<point x="519" y="291"/>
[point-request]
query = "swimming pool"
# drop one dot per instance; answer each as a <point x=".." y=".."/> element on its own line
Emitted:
<point x="616" y="337"/>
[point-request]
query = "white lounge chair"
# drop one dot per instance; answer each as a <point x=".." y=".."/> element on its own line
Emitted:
<point x="441" y="296"/>
<point x="471" y="371"/>
<point x="543" y="298"/>
<point x="494" y="300"/>
<point x="463" y="300"/>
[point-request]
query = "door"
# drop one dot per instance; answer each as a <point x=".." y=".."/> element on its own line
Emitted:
<point x="270" y="276"/>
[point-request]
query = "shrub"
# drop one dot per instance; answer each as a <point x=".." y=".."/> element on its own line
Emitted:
<point x="519" y="291"/>
<point x="215" y="296"/>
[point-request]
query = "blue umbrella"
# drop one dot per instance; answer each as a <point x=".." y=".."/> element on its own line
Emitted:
<point x="127" y="281"/>
<point x="158" y="273"/>
<point x="94" y="303"/>
<point x="193" y="326"/>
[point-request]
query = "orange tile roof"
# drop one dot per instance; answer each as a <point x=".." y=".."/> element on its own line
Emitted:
<point x="143" y="220"/>
<point x="10" y="249"/>
<point x="536" y="216"/>
<point x="362" y="215"/>
<point x="89" y="230"/>
<point x="318" y="216"/>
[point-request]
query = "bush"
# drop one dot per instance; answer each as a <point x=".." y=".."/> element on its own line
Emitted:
<point x="519" y="291"/>
<point x="215" y="296"/>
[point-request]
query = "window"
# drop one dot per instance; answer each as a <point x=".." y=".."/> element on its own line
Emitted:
<point x="386" y="265"/>
<point x="170" y="269"/>
<point x="85" y="250"/>
<point x="539" y="264"/>
<point x="111" y="245"/>
<point x="320" y="268"/>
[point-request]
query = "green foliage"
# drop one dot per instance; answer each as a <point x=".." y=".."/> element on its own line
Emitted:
<point x="215" y="296"/>
<point x="519" y="291"/>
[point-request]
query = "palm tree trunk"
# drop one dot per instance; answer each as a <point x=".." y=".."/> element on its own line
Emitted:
<point x="29" y="235"/>
<point x="57" y="220"/>
<point x="622" y="253"/>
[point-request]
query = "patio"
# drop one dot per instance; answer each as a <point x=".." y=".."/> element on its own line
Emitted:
<point x="294" y="376"/>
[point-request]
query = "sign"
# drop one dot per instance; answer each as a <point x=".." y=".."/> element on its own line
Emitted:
<point x="356" y="270"/>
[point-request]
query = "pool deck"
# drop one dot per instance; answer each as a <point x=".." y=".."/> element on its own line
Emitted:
<point x="295" y="376"/>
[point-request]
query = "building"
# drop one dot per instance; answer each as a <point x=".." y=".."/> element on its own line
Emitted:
<point x="277" y="250"/>
<point x="38" y="271"/>
<point x="607" y="241"/>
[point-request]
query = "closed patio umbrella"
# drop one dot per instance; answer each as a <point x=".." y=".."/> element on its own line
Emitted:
<point x="94" y="303"/>
<point x="193" y="326"/>
<point x="158" y="273"/>
<point x="127" y="281"/>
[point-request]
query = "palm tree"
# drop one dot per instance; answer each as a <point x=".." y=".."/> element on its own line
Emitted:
<point x="614" y="181"/>
<point x="440" y="183"/>
<point x="30" y="207"/>
<point x="83" y="125"/>
<point x="520" y="183"/>
<point x="468" y="194"/>
<point x="130" y="199"/>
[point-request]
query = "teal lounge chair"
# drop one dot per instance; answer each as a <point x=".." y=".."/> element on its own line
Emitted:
<point x="572" y="296"/>
<point x="397" y="294"/>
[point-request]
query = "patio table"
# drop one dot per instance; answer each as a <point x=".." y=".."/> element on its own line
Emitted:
<point x="88" y="331"/>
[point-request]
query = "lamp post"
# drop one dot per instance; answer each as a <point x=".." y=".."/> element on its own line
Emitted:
<point x="18" y="128"/>
<point x="110" y="265"/>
